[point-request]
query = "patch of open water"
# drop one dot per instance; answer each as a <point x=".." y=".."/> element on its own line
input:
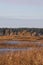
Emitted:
<point x="19" y="42"/>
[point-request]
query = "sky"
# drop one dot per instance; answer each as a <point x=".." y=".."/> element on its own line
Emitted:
<point x="21" y="13"/>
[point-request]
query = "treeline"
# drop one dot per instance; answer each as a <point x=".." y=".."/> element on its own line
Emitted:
<point x="12" y="31"/>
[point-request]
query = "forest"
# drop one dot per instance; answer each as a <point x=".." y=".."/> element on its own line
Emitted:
<point x="15" y="31"/>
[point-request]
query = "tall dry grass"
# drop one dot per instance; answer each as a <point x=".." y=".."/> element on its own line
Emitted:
<point x="20" y="38"/>
<point x="26" y="57"/>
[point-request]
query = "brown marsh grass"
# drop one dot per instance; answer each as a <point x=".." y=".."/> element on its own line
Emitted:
<point x="21" y="38"/>
<point x="26" y="57"/>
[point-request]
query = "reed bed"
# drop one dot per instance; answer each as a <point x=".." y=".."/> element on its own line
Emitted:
<point x="24" y="57"/>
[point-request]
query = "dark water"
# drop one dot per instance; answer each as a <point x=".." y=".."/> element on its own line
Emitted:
<point x="19" y="42"/>
<point x="25" y="42"/>
<point x="14" y="49"/>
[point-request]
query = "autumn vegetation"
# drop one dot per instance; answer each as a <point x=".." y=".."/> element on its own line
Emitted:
<point x="32" y="53"/>
<point x="26" y="57"/>
<point x="21" y="34"/>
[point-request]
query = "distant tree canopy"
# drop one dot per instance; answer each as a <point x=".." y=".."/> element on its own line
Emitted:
<point x="8" y="31"/>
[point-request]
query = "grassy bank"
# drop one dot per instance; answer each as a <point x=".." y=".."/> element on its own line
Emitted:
<point x="20" y="38"/>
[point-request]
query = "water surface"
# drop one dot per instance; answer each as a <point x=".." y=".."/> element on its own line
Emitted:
<point x="19" y="42"/>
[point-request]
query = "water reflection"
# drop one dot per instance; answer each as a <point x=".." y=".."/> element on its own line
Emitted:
<point x="23" y="42"/>
<point x="19" y="42"/>
<point x="15" y="49"/>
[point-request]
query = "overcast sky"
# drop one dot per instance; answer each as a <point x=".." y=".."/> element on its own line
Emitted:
<point x="19" y="13"/>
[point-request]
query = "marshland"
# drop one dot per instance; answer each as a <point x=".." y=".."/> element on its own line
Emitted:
<point x="21" y="46"/>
